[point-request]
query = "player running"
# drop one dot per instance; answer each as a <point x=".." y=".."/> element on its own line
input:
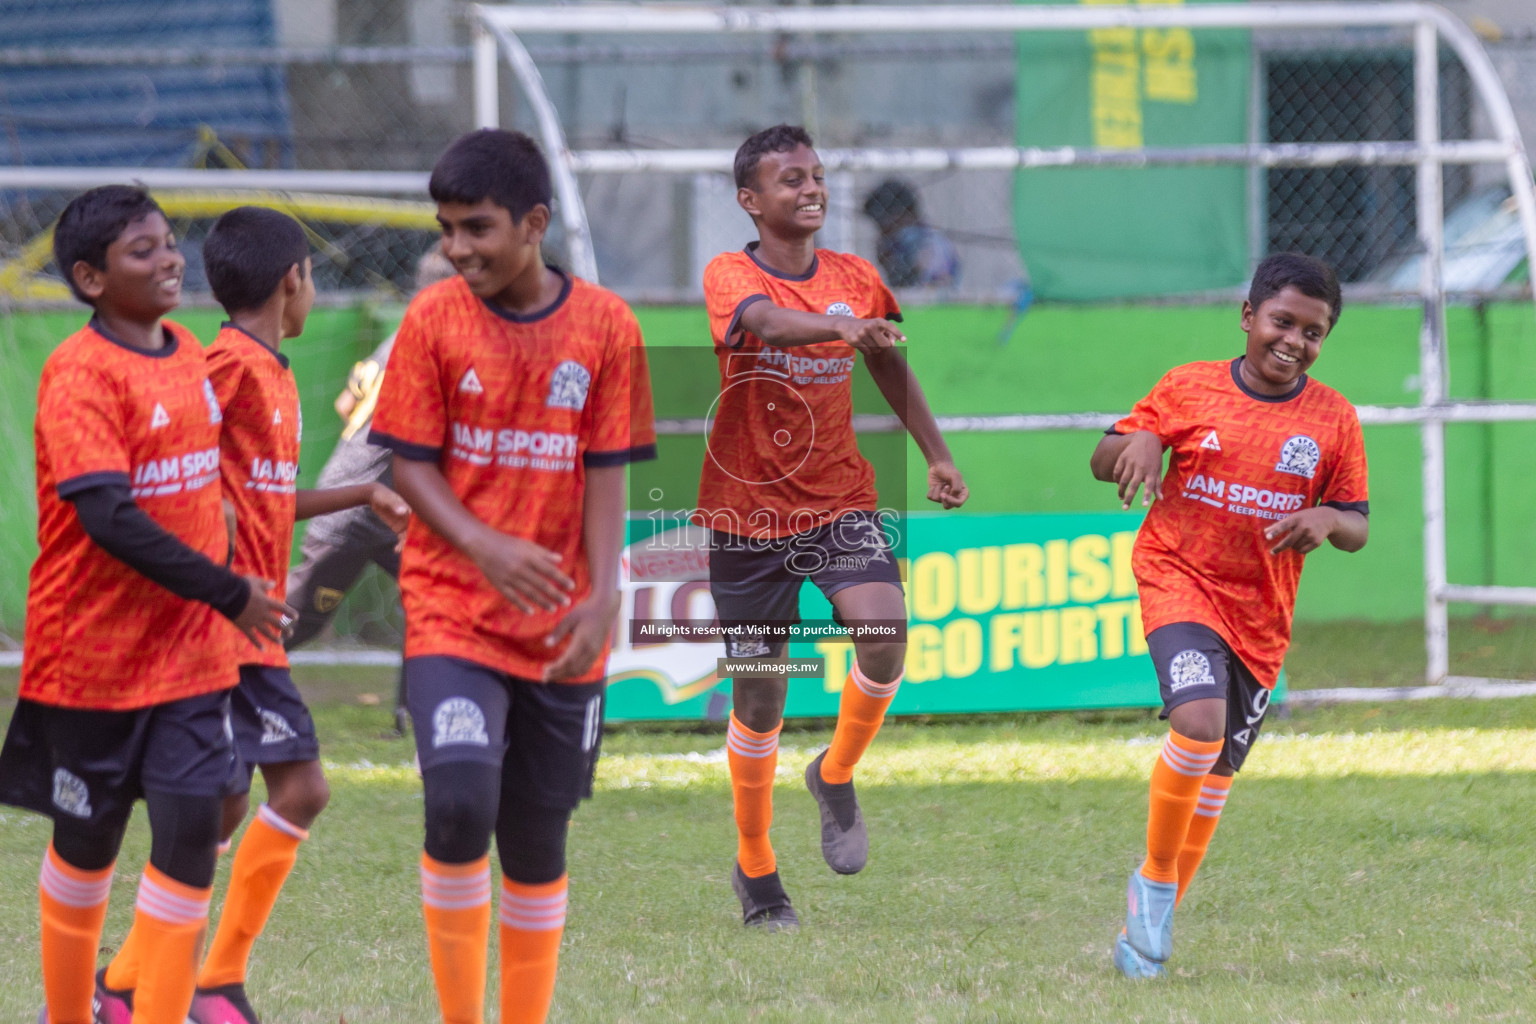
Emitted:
<point x="787" y="319"/>
<point x="515" y="397"/>
<point x="1266" y="465"/>
<point x="128" y="662"/>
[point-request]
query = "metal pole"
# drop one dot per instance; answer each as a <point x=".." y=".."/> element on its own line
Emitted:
<point x="573" y="212"/>
<point x="1432" y="365"/>
<point x="487" y="92"/>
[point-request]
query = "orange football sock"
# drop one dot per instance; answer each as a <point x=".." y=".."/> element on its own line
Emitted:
<point x="123" y="971"/>
<point x="1213" y="797"/>
<point x="859" y="715"/>
<point x="532" y="921"/>
<point x="171" y="919"/>
<point x="456" y="902"/>
<point x="753" y="757"/>
<point x="266" y="855"/>
<point x="74" y="908"/>
<point x="1176" y="780"/>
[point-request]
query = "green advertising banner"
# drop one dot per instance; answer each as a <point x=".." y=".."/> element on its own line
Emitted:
<point x="1096" y="233"/>
<point x="1006" y="613"/>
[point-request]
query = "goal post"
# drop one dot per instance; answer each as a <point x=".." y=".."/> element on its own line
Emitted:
<point x="499" y="27"/>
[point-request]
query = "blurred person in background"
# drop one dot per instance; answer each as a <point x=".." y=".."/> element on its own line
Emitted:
<point x="911" y="253"/>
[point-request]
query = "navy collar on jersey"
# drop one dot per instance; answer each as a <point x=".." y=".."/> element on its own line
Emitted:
<point x="231" y="325"/>
<point x="751" y="251"/>
<point x="538" y="314"/>
<point x="163" y="352"/>
<point x="1237" y="379"/>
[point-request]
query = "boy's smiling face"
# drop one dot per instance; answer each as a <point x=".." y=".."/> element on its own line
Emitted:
<point x="790" y="197"/>
<point x="142" y="281"/>
<point x="487" y="247"/>
<point x="1285" y="335"/>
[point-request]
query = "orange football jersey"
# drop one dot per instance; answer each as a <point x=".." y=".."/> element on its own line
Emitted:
<point x="258" y="460"/>
<point x="513" y="410"/>
<point x="781" y="455"/>
<point x="1239" y="461"/>
<point x="98" y="634"/>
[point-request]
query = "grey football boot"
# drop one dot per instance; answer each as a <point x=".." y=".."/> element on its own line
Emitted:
<point x="844" y="839"/>
<point x="764" y="903"/>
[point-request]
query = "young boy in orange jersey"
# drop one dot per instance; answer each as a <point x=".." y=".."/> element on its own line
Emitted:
<point x="126" y="672"/>
<point x="788" y="497"/>
<point x="514" y="398"/>
<point x="258" y="266"/>
<point x="1266" y="465"/>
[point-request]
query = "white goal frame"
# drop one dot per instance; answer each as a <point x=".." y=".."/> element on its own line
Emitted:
<point x="497" y="30"/>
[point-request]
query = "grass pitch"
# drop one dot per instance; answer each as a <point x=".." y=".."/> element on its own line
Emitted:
<point x="1373" y="864"/>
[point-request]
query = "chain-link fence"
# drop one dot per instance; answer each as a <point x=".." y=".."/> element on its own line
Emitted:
<point x="385" y="85"/>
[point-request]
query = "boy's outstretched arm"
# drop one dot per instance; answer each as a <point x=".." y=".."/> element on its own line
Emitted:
<point x="1306" y="530"/>
<point x="894" y="377"/>
<point x="787" y="328"/>
<point x="602" y="531"/>
<point x="522" y="571"/>
<point x="1131" y="461"/>
<point x="386" y="504"/>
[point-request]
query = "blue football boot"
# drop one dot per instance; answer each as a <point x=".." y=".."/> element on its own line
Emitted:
<point x="1132" y="964"/>
<point x="1149" y="916"/>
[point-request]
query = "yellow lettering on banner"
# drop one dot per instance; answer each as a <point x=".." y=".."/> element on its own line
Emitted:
<point x="962" y="648"/>
<point x="1120" y="547"/>
<point x="1079" y="635"/>
<point x="904" y="567"/>
<point x="933" y="585"/>
<point x="1055" y="572"/>
<point x="1112" y="619"/>
<point x="838" y="657"/>
<point x="1138" y="631"/>
<point x="1041" y="638"/>
<point x="1090" y="572"/>
<point x="925" y="654"/>
<point x="1023" y="576"/>
<point x="1170" y="65"/>
<point x="981" y="581"/>
<point x="1115" y="86"/>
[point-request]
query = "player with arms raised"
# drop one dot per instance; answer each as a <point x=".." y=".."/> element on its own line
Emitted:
<point x="787" y="495"/>
<point x="1266" y="465"/>
<point x="515" y="397"/>
<point x="128" y="660"/>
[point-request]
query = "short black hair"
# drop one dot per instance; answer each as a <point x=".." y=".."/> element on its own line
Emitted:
<point x="504" y="167"/>
<point x="781" y="138"/>
<point x="94" y="220"/>
<point x="891" y="200"/>
<point x="247" y="253"/>
<point x="1308" y="275"/>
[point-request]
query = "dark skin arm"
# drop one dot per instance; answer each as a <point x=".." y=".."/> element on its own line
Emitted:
<point x="894" y="377"/>
<point x="1135" y="460"/>
<point x="386" y="504"/>
<point x="1130" y="461"/>
<point x="589" y="621"/>
<point x="521" y="571"/>
<point x="1306" y="530"/>
<point x="788" y="328"/>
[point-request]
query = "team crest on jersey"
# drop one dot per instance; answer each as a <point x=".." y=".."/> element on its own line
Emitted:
<point x="159" y="418"/>
<point x="1189" y="668"/>
<point x="274" y="727"/>
<point x="1211" y="442"/>
<point x="470" y="383"/>
<point x="839" y="309"/>
<point x="214" y="415"/>
<point x="568" y="387"/>
<point x="70" y="794"/>
<point x="1299" y="456"/>
<point x="327" y="599"/>
<point x="459" y="720"/>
